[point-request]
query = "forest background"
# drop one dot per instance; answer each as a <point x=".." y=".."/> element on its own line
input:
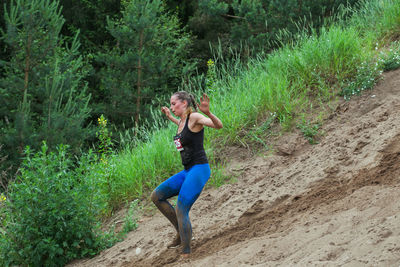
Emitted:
<point x="82" y="83"/>
<point x="64" y="64"/>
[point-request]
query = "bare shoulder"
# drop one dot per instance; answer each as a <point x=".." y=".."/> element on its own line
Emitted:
<point x="195" y="116"/>
<point x="196" y="121"/>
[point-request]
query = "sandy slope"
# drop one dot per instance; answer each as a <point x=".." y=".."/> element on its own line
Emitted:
<point x="336" y="203"/>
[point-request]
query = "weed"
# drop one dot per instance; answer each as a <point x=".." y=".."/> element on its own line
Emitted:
<point x="391" y="59"/>
<point x="309" y="130"/>
<point x="131" y="218"/>
<point x="366" y="77"/>
<point x="129" y="224"/>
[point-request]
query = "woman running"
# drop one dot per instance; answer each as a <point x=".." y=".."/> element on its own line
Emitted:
<point x="188" y="183"/>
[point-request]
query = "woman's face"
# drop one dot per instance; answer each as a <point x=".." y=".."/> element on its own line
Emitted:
<point x="178" y="107"/>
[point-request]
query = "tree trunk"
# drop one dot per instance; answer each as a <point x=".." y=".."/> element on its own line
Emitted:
<point x="27" y="64"/>
<point x="139" y="80"/>
<point x="25" y="92"/>
<point x="300" y="6"/>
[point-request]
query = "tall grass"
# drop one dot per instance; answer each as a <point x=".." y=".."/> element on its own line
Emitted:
<point x="136" y="169"/>
<point x="376" y="20"/>
<point x="280" y="86"/>
<point x="341" y="59"/>
<point x="287" y="80"/>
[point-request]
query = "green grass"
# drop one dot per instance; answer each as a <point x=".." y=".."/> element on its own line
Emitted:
<point x="390" y="59"/>
<point x="377" y="21"/>
<point x="138" y="169"/>
<point x="281" y="87"/>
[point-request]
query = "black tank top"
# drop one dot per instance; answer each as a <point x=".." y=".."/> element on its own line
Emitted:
<point x="190" y="145"/>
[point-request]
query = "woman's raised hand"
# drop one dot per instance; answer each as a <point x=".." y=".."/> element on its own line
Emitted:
<point x="166" y="111"/>
<point x="204" y="105"/>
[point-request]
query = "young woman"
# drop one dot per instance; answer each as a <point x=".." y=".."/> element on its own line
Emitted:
<point x="188" y="183"/>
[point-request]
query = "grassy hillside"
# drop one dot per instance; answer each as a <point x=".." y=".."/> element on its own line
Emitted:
<point x="339" y="60"/>
<point x="280" y="89"/>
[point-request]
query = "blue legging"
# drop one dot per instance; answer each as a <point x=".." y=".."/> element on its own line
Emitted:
<point x="188" y="185"/>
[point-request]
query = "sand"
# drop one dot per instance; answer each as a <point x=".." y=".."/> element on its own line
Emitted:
<point x="335" y="203"/>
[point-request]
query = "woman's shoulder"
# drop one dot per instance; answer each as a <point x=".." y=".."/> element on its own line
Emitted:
<point x="194" y="120"/>
<point x="194" y="116"/>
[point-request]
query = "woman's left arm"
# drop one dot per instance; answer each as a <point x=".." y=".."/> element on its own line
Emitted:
<point x="212" y="120"/>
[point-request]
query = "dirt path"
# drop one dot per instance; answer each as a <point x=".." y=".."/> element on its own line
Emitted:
<point x="336" y="203"/>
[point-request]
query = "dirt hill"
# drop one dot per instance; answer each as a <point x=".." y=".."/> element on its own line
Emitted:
<point x="336" y="203"/>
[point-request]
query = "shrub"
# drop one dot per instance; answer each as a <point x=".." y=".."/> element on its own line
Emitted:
<point x="51" y="211"/>
<point x="391" y="59"/>
<point x="368" y="73"/>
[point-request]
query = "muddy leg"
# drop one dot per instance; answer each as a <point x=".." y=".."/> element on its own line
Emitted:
<point x="165" y="207"/>
<point x="185" y="227"/>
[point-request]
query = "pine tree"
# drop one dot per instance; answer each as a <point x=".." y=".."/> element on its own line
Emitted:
<point x="89" y="17"/>
<point x="148" y="60"/>
<point x="255" y="25"/>
<point x="42" y="93"/>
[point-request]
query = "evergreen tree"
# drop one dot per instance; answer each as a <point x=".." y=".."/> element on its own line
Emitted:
<point x="3" y="52"/>
<point x="42" y="93"/>
<point x="148" y="60"/>
<point x="246" y="25"/>
<point x="250" y="25"/>
<point x="90" y="19"/>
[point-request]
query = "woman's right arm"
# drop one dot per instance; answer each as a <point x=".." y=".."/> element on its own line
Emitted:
<point x="167" y="113"/>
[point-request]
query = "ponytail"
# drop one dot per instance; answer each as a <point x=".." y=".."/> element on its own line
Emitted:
<point x="193" y="102"/>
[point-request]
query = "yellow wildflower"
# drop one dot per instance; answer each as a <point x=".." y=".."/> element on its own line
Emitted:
<point x="210" y="63"/>
<point x="102" y="121"/>
<point x="2" y="198"/>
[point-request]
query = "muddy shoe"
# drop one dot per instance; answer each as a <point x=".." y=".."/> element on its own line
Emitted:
<point x="176" y="243"/>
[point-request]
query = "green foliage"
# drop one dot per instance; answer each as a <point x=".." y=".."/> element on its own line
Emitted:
<point x="211" y="76"/>
<point x="104" y="136"/>
<point x="42" y="93"/>
<point x="105" y="167"/>
<point x="309" y="130"/>
<point x="52" y="210"/>
<point x="111" y="237"/>
<point x="218" y="177"/>
<point x="144" y="166"/>
<point x="388" y="12"/>
<point x="365" y="78"/>
<point x="255" y="26"/>
<point x="279" y="86"/>
<point x="391" y="58"/>
<point x="130" y="220"/>
<point x="213" y="7"/>
<point x="258" y="133"/>
<point x="149" y="59"/>
<point x="251" y="26"/>
<point x="89" y="17"/>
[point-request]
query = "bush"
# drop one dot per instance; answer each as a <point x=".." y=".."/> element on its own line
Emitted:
<point x="391" y="59"/>
<point x="368" y="73"/>
<point x="50" y="214"/>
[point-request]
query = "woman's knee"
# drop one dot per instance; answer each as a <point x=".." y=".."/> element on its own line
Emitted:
<point x="155" y="197"/>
